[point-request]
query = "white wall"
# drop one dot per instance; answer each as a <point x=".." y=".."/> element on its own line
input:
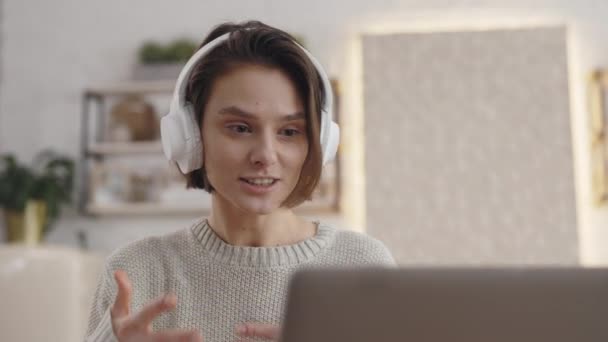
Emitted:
<point x="53" y="49"/>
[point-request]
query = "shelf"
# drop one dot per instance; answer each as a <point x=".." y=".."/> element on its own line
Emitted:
<point x="152" y="147"/>
<point x="132" y="88"/>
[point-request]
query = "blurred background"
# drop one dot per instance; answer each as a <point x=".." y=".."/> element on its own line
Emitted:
<point x="473" y="132"/>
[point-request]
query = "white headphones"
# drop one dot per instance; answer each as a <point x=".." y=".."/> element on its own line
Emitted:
<point x="180" y="134"/>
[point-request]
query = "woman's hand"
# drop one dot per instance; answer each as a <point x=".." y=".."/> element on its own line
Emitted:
<point x="129" y="327"/>
<point x="266" y="331"/>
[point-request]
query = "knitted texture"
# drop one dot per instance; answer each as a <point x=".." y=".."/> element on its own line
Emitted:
<point x="219" y="285"/>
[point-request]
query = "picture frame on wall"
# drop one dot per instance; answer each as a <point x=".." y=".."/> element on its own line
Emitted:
<point x="598" y="108"/>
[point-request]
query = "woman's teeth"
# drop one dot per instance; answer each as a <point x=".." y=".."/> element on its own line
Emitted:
<point x="260" y="181"/>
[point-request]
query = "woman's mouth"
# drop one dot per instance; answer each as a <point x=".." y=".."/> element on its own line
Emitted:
<point x="265" y="182"/>
<point x="258" y="186"/>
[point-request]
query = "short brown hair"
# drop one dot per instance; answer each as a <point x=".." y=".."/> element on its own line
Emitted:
<point x="253" y="42"/>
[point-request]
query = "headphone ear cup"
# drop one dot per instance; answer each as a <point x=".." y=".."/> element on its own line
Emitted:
<point x="172" y="137"/>
<point x="194" y="144"/>
<point x="333" y="140"/>
<point x="181" y="139"/>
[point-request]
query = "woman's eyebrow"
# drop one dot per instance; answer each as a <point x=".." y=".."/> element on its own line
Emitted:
<point x="233" y="110"/>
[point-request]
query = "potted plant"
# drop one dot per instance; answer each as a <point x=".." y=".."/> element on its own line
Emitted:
<point x="158" y="61"/>
<point x="32" y="196"/>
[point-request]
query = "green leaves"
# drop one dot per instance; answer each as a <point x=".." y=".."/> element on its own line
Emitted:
<point x="49" y="179"/>
<point x="179" y="50"/>
<point x="151" y="53"/>
<point x="15" y="184"/>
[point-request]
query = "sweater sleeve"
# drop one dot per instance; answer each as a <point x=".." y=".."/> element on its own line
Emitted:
<point x="380" y="255"/>
<point x="386" y="257"/>
<point x="100" y="324"/>
<point x="358" y="249"/>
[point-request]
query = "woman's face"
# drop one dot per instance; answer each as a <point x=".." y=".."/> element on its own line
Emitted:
<point x="254" y="138"/>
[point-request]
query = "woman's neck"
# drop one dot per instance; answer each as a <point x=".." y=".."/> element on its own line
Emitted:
<point x="239" y="228"/>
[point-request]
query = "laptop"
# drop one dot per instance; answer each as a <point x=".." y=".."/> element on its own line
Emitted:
<point x="448" y="305"/>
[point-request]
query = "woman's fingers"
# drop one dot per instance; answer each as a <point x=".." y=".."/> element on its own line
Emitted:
<point x="267" y="331"/>
<point x="134" y="327"/>
<point x="176" y="336"/>
<point x="147" y="314"/>
<point x="122" y="302"/>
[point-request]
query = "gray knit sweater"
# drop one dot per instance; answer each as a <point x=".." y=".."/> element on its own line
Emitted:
<point x="220" y="285"/>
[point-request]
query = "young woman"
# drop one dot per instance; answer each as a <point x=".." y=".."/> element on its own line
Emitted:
<point x="250" y="123"/>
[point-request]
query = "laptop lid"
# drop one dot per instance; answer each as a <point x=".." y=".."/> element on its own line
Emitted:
<point x="455" y="305"/>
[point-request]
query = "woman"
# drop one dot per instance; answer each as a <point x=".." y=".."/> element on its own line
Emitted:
<point x="250" y="123"/>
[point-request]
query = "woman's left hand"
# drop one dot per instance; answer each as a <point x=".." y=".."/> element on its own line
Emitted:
<point x="266" y="331"/>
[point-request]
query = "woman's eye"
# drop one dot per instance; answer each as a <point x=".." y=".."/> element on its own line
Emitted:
<point x="290" y="132"/>
<point x="240" y="128"/>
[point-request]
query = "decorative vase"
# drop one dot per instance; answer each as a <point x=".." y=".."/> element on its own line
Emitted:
<point x="138" y="116"/>
<point x="26" y="227"/>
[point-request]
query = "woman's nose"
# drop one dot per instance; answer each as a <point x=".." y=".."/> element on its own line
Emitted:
<point x="264" y="152"/>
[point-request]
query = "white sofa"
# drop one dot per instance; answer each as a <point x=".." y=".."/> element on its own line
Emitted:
<point x="45" y="292"/>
